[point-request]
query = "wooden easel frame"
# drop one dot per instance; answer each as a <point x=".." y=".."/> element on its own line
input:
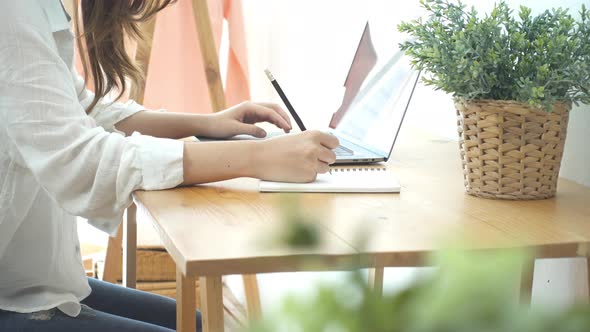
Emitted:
<point x="123" y="257"/>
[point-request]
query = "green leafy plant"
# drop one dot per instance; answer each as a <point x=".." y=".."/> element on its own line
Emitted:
<point x="539" y="60"/>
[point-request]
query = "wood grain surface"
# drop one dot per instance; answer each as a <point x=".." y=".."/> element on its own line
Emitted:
<point x="230" y="228"/>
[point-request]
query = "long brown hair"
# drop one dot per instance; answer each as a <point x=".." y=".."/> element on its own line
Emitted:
<point x="106" y="23"/>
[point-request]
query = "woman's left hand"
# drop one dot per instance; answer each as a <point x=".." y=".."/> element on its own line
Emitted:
<point x="241" y="119"/>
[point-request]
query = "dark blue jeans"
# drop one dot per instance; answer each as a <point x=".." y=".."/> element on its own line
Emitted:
<point x="108" y="308"/>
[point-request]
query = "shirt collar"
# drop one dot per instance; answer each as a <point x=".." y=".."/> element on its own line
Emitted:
<point x="56" y="15"/>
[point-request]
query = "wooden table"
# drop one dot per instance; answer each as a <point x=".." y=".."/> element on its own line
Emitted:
<point x="227" y="227"/>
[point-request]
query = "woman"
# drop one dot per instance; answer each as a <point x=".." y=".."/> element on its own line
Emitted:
<point x="66" y="152"/>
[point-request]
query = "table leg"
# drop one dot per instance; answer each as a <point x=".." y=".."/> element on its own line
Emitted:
<point x="185" y="303"/>
<point x="526" y="281"/>
<point x="252" y="296"/>
<point x="130" y="248"/>
<point x="113" y="260"/>
<point x="376" y="279"/>
<point x="212" y="303"/>
<point x="197" y="294"/>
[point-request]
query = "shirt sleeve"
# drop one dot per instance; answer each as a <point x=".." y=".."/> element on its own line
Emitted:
<point x="88" y="171"/>
<point x="106" y="113"/>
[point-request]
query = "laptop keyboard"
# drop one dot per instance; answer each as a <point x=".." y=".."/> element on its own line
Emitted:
<point x="343" y="151"/>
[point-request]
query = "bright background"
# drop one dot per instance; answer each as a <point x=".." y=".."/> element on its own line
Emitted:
<point x="309" y="44"/>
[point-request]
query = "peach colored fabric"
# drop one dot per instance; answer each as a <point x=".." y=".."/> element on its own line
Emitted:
<point x="176" y="77"/>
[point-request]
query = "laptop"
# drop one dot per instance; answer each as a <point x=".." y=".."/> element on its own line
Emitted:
<point x="379" y="88"/>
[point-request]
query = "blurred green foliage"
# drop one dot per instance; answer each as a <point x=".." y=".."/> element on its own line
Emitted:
<point x="469" y="292"/>
<point x="299" y="230"/>
<point x="538" y="60"/>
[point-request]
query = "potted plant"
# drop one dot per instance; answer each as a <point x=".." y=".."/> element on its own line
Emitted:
<point x="513" y="80"/>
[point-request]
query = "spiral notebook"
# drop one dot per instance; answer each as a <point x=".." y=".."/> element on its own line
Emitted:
<point x="342" y="180"/>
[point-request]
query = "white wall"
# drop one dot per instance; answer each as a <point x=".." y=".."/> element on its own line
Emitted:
<point x="576" y="157"/>
<point x="309" y="45"/>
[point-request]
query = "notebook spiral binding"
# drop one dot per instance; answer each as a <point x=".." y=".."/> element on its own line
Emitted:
<point x="356" y="169"/>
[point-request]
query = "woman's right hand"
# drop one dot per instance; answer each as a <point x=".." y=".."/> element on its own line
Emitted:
<point x="295" y="157"/>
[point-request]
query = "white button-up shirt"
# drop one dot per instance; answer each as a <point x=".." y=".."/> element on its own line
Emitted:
<point x="57" y="162"/>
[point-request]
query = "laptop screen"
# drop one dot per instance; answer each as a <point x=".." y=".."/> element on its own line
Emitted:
<point x="379" y="85"/>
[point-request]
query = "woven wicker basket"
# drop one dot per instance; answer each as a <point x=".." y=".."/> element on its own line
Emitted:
<point x="510" y="150"/>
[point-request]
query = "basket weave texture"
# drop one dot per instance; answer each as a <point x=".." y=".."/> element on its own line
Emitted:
<point x="509" y="149"/>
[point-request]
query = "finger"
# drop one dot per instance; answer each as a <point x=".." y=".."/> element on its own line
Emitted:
<point x="327" y="156"/>
<point x="323" y="167"/>
<point x="262" y="113"/>
<point x="279" y="110"/>
<point x="250" y="129"/>
<point x="328" y="140"/>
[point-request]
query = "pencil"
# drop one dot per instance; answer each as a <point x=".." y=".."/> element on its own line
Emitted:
<point x="277" y="87"/>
